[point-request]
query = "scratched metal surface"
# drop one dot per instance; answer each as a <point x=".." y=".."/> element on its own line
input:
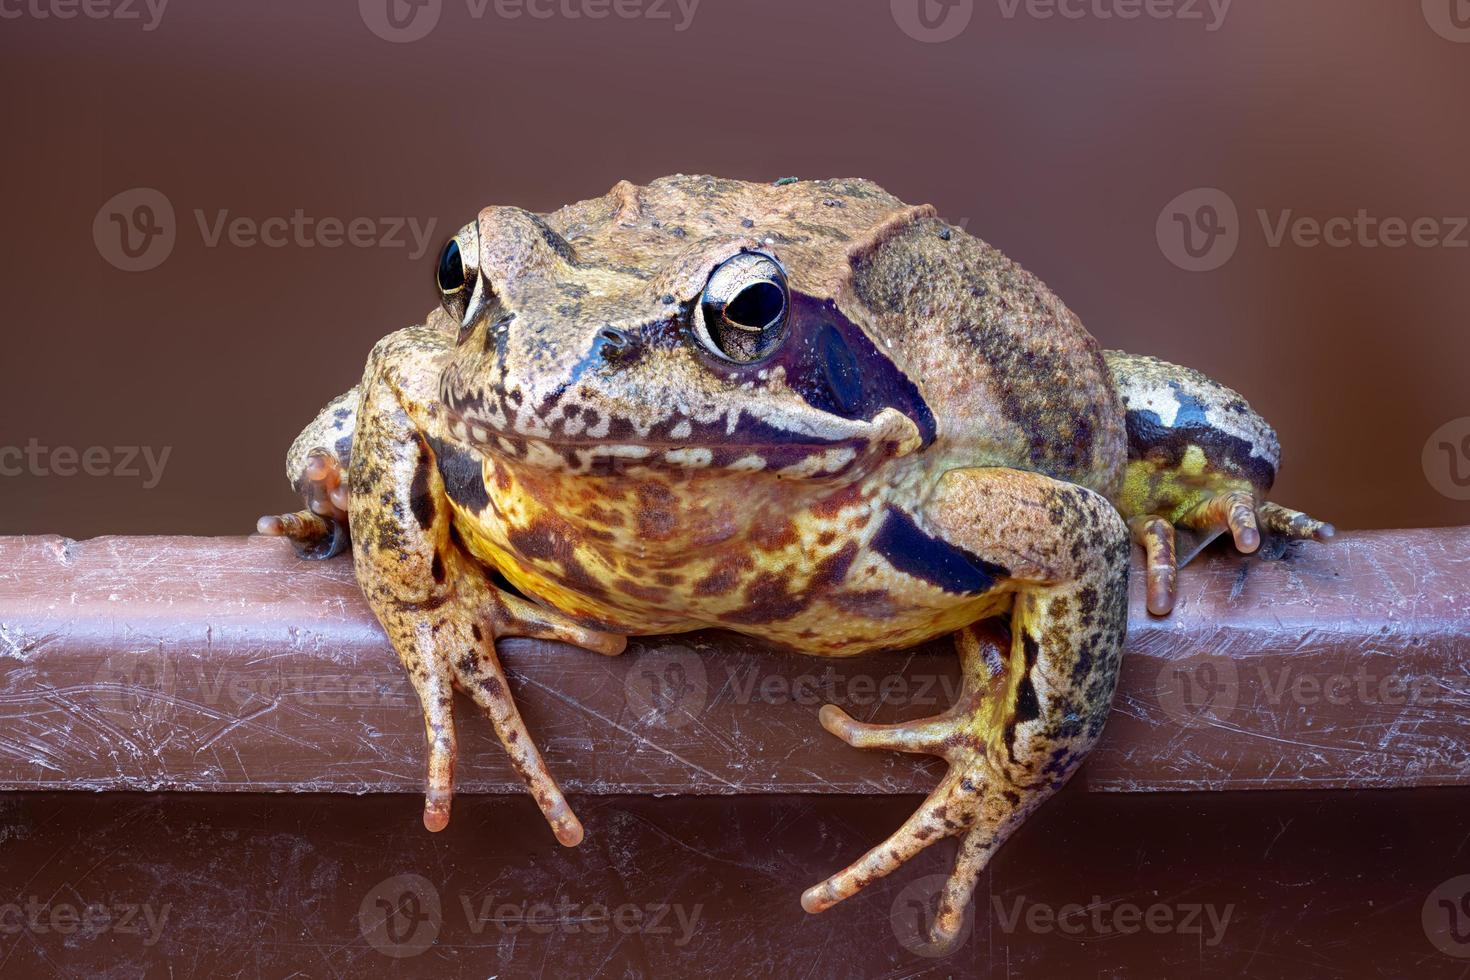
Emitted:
<point x="1122" y="886"/>
<point x="224" y="664"/>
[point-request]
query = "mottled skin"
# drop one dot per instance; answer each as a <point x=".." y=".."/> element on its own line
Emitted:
<point x="803" y="411"/>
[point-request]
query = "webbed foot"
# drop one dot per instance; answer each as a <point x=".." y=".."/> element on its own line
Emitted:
<point x="976" y="801"/>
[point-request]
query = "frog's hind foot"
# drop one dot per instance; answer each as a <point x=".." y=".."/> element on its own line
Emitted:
<point x="321" y="530"/>
<point x="1169" y="546"/>
<point x="976" y="801"/>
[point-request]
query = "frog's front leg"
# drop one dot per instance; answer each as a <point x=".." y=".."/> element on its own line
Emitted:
<point x="1034" y="697"/>
<point x="436" y="603"/>
<point x="1200" y="462"/>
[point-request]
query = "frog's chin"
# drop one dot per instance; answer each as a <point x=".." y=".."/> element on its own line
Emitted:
<point x="837" y="449"/>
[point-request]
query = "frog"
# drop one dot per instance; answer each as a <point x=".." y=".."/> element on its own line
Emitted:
<point x="804" y="411"/>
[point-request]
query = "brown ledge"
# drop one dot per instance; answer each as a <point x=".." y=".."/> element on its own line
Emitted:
<point x="224" y="664"/>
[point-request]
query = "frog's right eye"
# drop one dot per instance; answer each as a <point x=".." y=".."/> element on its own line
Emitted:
<point x="458" y="276"/>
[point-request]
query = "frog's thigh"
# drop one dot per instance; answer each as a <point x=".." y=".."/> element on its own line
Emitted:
<point x="1033" y="699"/>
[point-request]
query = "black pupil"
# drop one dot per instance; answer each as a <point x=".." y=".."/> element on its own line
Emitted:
<point x="451" y="269"/>
<point x="758" y="305"/>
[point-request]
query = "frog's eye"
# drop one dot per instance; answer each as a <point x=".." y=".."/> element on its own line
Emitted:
<point x="457" y="276"/>
<point x="743" y="316"/>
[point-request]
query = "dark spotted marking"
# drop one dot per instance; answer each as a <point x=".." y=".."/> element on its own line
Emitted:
<point x="724" y="576"/>
<point x="912" y="551"/>
<point x="1028" y="706"/>
<point x="420" y="496"/>
<point x="463" y="475"/>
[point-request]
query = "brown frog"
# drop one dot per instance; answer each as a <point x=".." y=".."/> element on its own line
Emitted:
<point x="804" y="411"/>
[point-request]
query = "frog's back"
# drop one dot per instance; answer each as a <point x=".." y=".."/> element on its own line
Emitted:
<point x="1007" y="371"/>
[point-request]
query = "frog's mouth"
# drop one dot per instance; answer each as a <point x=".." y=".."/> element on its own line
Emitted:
<point x="834" y="448"/>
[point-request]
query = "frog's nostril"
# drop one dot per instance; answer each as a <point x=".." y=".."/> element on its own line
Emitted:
<point x="612" y="342"/>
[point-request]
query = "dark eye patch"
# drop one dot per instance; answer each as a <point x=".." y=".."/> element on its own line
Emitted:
<point x="833" y="365"/>
<point x="841" y="368"/>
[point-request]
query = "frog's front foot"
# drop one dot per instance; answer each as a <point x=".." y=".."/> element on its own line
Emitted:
<point x="321" y="529"/>
<point x="1238" y="511"/>
<point x="458" y="653"/>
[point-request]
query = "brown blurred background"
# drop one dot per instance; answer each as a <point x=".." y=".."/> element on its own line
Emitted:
<point x="1059" y="140"/>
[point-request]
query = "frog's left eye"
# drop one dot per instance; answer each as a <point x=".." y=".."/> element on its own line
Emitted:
<point x="458" y="276"/>
<point x="743" y="316"/>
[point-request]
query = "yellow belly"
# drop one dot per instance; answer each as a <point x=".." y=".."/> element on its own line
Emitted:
<point x="790" y="563"/>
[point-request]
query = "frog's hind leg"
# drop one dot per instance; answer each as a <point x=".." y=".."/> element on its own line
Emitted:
<point x="1200" y="463"/>
<point x="316" y="465"/>
<point x="1033" y="699"/>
